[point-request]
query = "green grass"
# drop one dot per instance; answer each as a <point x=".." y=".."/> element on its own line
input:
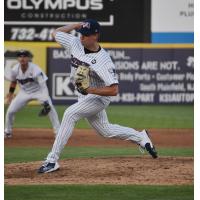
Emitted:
<point x="98" y="192"/>
<point x="27" y="154"/>
<point x="158" y="116"/>
<point x="137" y="116"/>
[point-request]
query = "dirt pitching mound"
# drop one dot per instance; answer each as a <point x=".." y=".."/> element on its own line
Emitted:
<point x="120" y="170"/>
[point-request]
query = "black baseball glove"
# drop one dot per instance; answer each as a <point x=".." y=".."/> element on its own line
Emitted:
<point x="45" y="110"/>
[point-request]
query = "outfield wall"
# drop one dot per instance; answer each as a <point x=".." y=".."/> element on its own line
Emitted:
<point x="148" y="73"/>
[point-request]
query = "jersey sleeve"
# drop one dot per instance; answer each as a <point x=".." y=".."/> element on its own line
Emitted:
<point x="108" y="74"/>
<point x="39" y="75"/>
<point x="64" y="39"/>
<point x="13" y="73"/>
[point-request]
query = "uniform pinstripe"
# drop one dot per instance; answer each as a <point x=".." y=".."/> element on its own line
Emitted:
<point x="92" y="107"/>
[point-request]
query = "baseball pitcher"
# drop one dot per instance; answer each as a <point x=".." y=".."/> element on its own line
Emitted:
<point x="93" y="74"/>
<point x="32" y="83"/>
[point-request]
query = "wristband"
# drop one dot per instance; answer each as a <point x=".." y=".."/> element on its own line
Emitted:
<point x="12" y="89"/>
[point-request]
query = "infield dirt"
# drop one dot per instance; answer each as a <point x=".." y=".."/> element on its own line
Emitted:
<point x="141" y="170"/>
<point x="88" y="137"/>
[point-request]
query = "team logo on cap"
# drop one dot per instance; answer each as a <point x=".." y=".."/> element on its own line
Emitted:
<point x="86" y="25"/>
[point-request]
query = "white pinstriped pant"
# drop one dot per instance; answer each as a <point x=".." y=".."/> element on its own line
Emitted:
<point x="92" y="108"/>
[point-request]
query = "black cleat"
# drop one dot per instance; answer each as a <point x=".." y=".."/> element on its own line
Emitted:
<point x="7" y="135"/>
<point x="152" y="151"/>
<point x="48" y="167"/>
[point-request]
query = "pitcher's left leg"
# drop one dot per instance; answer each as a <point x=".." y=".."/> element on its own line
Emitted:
<point x="81" y="109"/>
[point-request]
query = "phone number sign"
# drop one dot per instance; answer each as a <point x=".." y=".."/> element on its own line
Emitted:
<point x="31" y="20"/>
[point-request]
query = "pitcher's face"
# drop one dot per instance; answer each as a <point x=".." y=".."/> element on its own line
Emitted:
<point x="89" y="40"/>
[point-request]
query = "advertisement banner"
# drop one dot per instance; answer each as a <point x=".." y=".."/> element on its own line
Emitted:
<point x="61" y="89"/>
<point x="146" y="75"/>
<point x="173" y="15"/>
<point x="27" y="20"/>
<point x="172" y="21"/>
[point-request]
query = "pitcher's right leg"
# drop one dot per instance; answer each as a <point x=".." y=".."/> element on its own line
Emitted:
<point x="101" y="124"/>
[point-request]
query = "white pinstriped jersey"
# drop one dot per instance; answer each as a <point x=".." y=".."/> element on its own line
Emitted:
<point x="31" y="80"/>
<point x="92" y="107"/>
<point x="102" y="69"/>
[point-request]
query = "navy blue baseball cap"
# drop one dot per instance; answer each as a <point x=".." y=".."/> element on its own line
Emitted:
<point x="89" y="27"/>
<point x="24" y="53"/>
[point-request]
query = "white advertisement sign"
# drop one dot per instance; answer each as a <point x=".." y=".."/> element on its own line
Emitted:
<point x="172" y="15"/>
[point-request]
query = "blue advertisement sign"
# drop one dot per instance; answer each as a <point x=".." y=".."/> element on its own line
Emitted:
<point x="146" y="76"/>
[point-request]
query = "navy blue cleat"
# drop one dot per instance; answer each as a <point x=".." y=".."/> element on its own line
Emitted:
<point x="151" y="150"/>
<point x="147" y="144"/>
<point x="48" y="167"/>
